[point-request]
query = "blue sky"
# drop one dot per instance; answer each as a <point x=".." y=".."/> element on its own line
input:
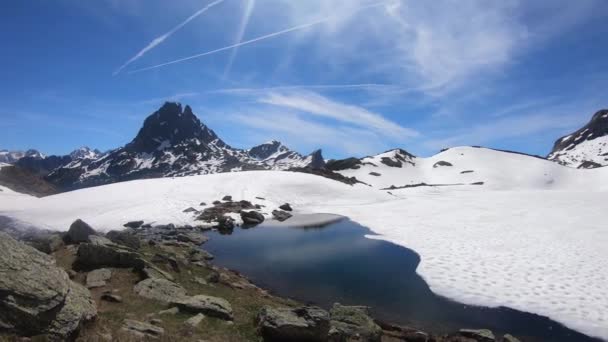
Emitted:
<point x="353" y="77"/>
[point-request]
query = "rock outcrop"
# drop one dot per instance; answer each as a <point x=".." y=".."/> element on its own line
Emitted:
<point x="36" y="296"/>
<point x="299" y="324"/>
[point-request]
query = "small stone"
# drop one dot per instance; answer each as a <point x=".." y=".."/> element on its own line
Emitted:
<point x="203" y="204"/>
<point x="190" y="210"/>
<point x="160" y="289"/>
<point x="208" y="305"/>
<point x="194" y="321"/>
<point x="109" y="297"/>
<point x="281" y="215"/>
<point x="252" y="217"/>
<point x="171" y="311"/>
<point x="141" y="329"/>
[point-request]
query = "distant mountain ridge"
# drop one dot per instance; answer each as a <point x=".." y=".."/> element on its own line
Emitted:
<point x="173" y="142"/>
<point x="586" y="148"/>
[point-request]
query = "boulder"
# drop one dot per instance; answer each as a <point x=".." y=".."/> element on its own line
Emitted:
<point x="44" y="241"/>
<point x="192" y="237"/>
<point x="252" y="217"/>
<point x="225" y="223"/>
<point x="227" y="198"/>
<point x="125" y="238"/>
<point x="190" y="210"/>
<point x="286" y="207"/>
<point x="142" y="330"/>
<point x="288" y="324"/>
<point x="133" y="224"/>
<point x="102" y="253"/>
<point x="98" y="278"/>
<point x="482" y="335"/>
<point x="79" y="232"/>
<point x="36" y="296"/>
<point x="208" y="305"/>
<point x="160" y="289"/>
<point x="281" y="215"/>
<point x="78" y="308"/>
<point x="353" y="323"/>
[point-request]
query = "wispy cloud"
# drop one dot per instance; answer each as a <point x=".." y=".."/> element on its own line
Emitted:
<point x="261" y="38"/>
<point x="174" y="97"/>
<point x="317" y="105"/>
<point x="158" y="40"/>
<point x="249" y="6"/>
<point x="339" y="87"/>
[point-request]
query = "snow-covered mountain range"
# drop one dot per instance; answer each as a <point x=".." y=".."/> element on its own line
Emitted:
<point x="11" y="157"/>
<point x="173" y="142"/>
<point x="586" y="148"/>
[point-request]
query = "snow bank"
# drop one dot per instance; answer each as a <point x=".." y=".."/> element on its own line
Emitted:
<point x="533" y="238"/>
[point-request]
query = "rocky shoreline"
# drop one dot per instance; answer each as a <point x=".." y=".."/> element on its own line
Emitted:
<point x="156" y="282"/>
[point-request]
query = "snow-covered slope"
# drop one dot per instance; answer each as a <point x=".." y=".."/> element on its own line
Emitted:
<point x="524" y="242"/>
<point x="173" y="142"/>
<point x="463" y="167"/>
<point x="85" y="153"/>
<point x="586" y="148"/>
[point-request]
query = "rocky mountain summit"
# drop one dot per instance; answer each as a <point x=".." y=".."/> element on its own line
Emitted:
<point x="586" y="148"/>
<point x="173" y="142"/>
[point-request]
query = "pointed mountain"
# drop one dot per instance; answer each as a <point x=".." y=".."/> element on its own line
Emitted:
<point x="585" y="148"/>
<point x="173" y="142"/>
<point x="85" y="153"/>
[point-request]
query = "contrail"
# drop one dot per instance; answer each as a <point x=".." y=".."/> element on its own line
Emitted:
<point x="251" y="41"/>
<point x="162" y="38"/>
<point x="246" y="15"/>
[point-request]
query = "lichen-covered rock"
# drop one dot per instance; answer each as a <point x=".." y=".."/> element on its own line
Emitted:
<point x="353" y="323"/>
<point x="79" y="232"/>
<point x="78" y="308"/>
<point x="288" y="324"/>
<point x="208" y="305"/>
<point x="36" y="296"/>
<point x="160" y="289"/>
<point x="95" y="255"/>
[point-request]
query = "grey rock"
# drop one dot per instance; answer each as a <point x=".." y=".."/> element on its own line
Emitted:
<point x="171" y="311"/>
<point x="286" y="207"/>
<point x="100" y="253"/>
<point x="124" y="238"/>
<point x="133" y="224"/>
<point x="110" y="297"/>
<point x="161" y="290"/>
<point x="213" y="277"/>
<point x="193" y="237"/>
<point x="195" y="321"/>
<point x="78" y="308"/>
<point x="167" y="260"/>
<point x="200" y="281"/>
<point x="98" y="278"/>
<point x="483" y="335"/>
<point x="280" y="215"/>
<point x="141" y="329"/>
<point x="200" y="255"/>
<point x="156" y="321"/>
<point x="45" y="242"/>
<point x="299" y="324"/>
<point x="375" y="174"/>
<point x="252" y="217"/>
<point x="227" y="198"/>
<point x="150" y="271"/>
<point x="208" y="305"/>
<point x="225" y="223"/>
<point x="353" y="323"/>
<point x="79" y="232"/>
<point x="36" y="296"/>
<point x="190" y="210"/>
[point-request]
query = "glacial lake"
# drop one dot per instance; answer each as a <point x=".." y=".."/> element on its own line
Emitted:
<point x="336" y="263"/>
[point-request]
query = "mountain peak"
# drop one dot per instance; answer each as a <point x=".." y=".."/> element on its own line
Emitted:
<point x="585" y="148"/>
<point x="169" y="126"/>
<point x="267" y="149"/>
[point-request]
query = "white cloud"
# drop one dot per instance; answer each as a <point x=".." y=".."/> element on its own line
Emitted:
<point x="317" y="105"/>
<point x="158" y="40"/>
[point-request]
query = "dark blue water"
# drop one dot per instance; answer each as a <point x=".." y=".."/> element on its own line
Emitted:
<point x="337" y="263"/>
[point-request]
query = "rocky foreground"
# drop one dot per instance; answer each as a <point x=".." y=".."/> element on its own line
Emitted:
<point x="157" y="283"/>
